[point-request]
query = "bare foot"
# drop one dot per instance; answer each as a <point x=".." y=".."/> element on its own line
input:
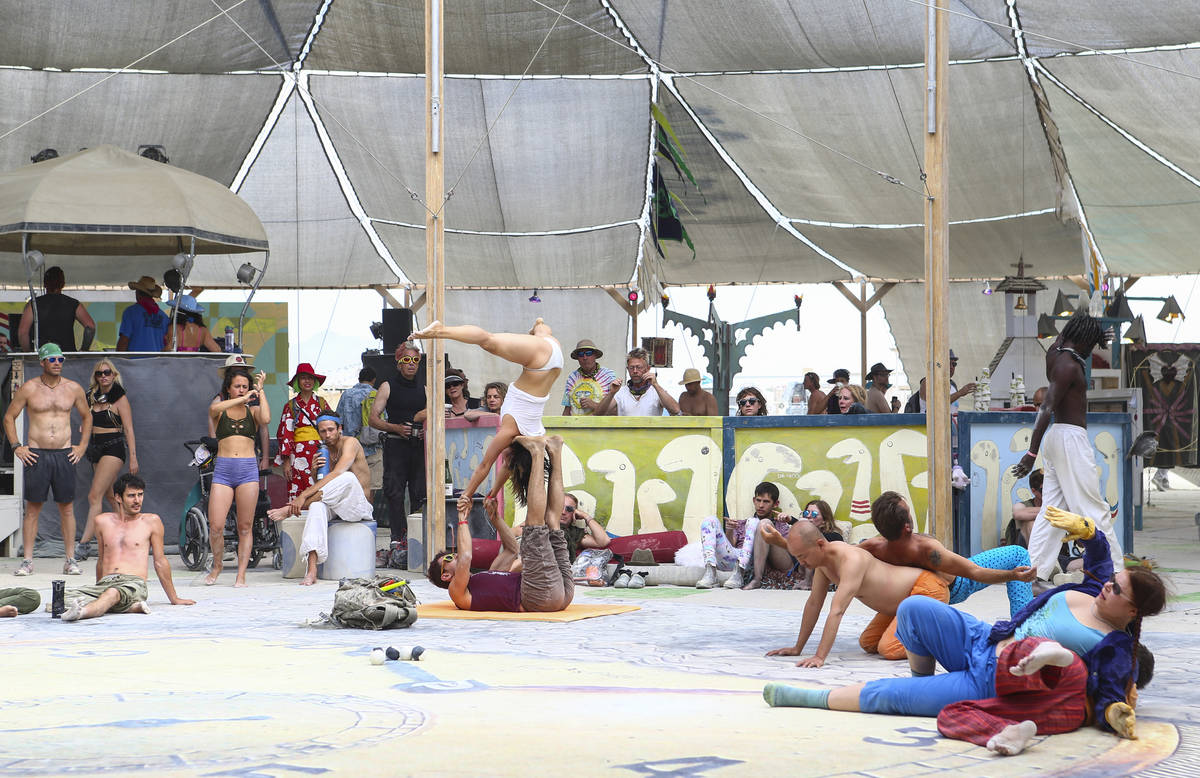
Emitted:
<point x="432" y="331"/>
<point x="239" y="582"/>
<point x="1013" y="739"/>
<point x="554" y="444"/>
<point x="211" y="578"/>
<point x="535" y="444"/>
<point x="755" y="583"/>
<point x="139" y="607"/>
<point x="279" y="514"/>
<point x="8" y="611"/>
<point x="308" y="580"/>
<point x="1048" y="653"/>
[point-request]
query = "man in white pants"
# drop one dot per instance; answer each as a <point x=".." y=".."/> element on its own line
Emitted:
<point x="1072" y="482"/>
<point x="341" y="494"/>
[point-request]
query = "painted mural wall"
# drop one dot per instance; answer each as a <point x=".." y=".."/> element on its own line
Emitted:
<point x="994" y="442"/>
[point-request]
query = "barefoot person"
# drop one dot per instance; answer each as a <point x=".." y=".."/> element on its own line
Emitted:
<point x="541" y="360"/>
<point x="1100" y="620"/>
<point x="235" y="476"/>
<point x="126" y="538"/>
<point x="341" y="494"/>
<point x="858" y="575"/>
<point x="544" y="584"/>
<point x="899" y="545"/>
<point x="112" y="442"/>
<point x="1071" y="480"/>
<point x="18" y="600"/>
<point x="49" y="457"/>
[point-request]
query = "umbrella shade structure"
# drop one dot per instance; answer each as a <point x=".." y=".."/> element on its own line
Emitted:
<point x="108" y="202"/>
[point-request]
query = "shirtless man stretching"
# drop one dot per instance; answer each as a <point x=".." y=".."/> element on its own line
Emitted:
<point x="341" y="494"/>
<point x="124" y="539"/>
<point x="858" y="575"/>
<point x="49" y="456"/>
<point x="897" y="544"/>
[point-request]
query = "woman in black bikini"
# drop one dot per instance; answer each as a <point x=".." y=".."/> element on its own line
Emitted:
<point x="236" y="472"/>
<point x="111" y="445"/>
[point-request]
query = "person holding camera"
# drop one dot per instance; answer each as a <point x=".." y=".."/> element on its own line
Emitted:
<point x="402" y="398"/>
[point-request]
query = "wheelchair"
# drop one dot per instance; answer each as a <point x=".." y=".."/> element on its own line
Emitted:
<point x="194" y="548"/>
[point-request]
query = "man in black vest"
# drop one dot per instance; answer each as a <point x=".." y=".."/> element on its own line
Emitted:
<point x="57" y="314"/>
<point x="403" y="399"/>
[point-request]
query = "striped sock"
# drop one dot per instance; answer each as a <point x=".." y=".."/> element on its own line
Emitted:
<point x="780" y="695"/>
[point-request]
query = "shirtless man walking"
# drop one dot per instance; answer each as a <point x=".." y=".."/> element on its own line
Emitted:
<point x="49" y="456"/>
<point x="858" y="575"/>
<point x="125" y="538"/>
<point x="341" y="494"/>
<point x="1071" y="480"/>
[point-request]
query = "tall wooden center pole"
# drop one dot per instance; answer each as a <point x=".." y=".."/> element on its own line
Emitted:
<point x="937" y="270"/>
<point x="435" y="279"/>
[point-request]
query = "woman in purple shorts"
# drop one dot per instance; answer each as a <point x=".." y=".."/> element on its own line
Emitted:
<point x="236" y="473"/>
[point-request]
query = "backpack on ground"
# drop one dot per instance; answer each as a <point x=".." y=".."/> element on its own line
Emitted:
<point x="359" y="603"/>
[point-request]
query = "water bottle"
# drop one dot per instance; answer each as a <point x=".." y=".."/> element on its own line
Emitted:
<point x="57" y="602"/>
<point x="228" y="339"/>
<point x="323" y="470"/>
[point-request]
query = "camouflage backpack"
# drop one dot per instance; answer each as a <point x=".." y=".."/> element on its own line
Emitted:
<point x="358" y="603"/>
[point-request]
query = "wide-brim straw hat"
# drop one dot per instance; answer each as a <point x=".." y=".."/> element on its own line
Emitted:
<point x="585" y="343"/>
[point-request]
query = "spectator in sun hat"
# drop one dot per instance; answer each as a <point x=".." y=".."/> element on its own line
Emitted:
<point x="297" y="433"/>
<point x="841" y="377"/>
<point x="587" y="385"/>
<point x="694" y="401"/>
<point x="243" y="363"/>
<point x="143" y="324"/>
<point x="190" y="328"/>
<point x="877" y="401"/>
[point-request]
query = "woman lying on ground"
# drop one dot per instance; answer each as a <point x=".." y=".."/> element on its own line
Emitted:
<point x="1100" y="620"/>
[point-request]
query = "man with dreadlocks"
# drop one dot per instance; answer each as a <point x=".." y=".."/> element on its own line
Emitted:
<point x="1068" y="459"/>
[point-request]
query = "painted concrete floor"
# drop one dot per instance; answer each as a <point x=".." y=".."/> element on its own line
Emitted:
<point x="237" y="686"/>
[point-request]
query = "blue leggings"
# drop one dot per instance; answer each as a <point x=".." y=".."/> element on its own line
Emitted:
<point x="998" y="558"/>
<point x="957" y="640"/>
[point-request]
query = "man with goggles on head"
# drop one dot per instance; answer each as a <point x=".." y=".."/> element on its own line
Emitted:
<point x="49" y="457"/>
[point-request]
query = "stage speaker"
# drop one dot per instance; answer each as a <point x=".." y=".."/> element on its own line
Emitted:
<point x="397" y="326"/>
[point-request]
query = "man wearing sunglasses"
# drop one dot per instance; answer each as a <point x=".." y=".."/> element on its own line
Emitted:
<point x="49" y="457"/>
<point x="403" y="399"/>
<point x="587" y="385"/>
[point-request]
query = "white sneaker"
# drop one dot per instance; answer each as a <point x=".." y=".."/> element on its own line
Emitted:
<point x="709" y="580"/>
<point x="622" y="580"/>
<point x="71" y="567"/>
<point x="26" y="568"/>
<point x="737" y="580"/>
<point x="637" y="581"/>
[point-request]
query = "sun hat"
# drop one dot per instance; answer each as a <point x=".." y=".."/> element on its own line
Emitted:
<point x="236" y="360"/>
<point x="585" y="343"/>
<point x="187" y="304"/>
<point x="690" y="376"/>
<point x="147" y="285"/>
<point x="305" y="368"/>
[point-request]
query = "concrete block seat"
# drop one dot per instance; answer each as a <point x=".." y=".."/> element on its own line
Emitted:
<point x="351" y="549"/>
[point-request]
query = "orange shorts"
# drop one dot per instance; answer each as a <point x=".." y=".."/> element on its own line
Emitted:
<point x="880" y="635"/>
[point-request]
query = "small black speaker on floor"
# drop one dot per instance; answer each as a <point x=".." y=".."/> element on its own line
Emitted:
<point x="397" y="326"/>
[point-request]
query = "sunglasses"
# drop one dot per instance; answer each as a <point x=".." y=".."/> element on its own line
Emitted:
<point x="102" y="373"/>
<point x="747" y="401"/>
<point x="408" y="360"/>
<point x="55" y="360"/>
<point x="586" y="352"/>
<point x="1117" y="590"/>
<point x="448" y="558"/>
<point x="806" y="513"/>
<point x="568" y="509"/>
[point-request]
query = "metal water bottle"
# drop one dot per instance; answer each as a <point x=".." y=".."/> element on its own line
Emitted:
<point x="228" y="339"/>
<point x="323" y="470"/>
<point x="57" y="602"/>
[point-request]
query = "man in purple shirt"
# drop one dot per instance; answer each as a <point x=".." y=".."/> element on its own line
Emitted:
<point x="540" y="578"/>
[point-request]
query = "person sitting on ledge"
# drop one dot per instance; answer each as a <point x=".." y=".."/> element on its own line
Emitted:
<point x="544" y="583"/>
<point x="1100" y="620"/>
<point x="858" y="575"/>
<point x="125" y="541"/>
<point x="340" y="494"/>
<point x="899" y="545"/>
<point x="721" y="554"/>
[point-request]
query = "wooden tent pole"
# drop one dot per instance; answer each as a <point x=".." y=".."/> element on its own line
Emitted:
<point x="435" y="282"/>
<point x="937" y="272"/>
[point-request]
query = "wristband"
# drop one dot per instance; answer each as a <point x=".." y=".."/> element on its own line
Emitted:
<point x="1031" y="454"/>
<point x="462" y="522"/>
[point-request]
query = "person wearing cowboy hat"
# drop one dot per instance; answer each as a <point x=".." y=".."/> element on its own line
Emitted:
<point x="190" y="329"/>
<point x="694" y="401"/>
<point x="143" y="324"/>
<point x="243" y="363"/>
<point x="877" y="401"/>
<point x="297" y="433"/>
<point x="587" y="385"/>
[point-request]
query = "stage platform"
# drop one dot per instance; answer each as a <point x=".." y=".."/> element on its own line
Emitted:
<point x="236" y="685"/>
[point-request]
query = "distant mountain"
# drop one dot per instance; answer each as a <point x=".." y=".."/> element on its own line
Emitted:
<point x="340" y="359"/>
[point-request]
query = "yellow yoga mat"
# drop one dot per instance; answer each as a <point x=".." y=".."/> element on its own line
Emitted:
<point x="445" y="609"/>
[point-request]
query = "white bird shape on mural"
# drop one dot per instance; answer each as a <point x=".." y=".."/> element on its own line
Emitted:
<point x="1106" y="444"/>
<point x="752" y="468"/>
<point x="573" y="472"/>
<point x="652" y="493"/>
<point x="618" y="470"/>
<point x="854" y="451"/>
<point x="892" y="475"/>
<point x="701" y="455"/>
<point x="986" y="455"/>
<point x="822" y="485"/>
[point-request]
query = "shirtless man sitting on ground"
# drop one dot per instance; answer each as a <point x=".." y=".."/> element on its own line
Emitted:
<point x="341" y="494"/>
<point x="899" y="545"/>
<point x="858" y="574"/>
<point x="124" y="538"/>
